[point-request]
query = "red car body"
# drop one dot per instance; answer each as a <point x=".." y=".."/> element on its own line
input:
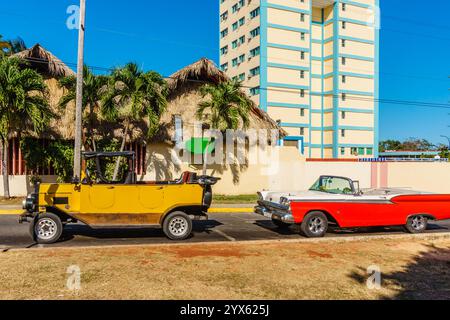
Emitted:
<point x="366" y="213"/>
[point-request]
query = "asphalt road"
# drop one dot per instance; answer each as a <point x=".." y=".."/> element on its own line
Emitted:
<point x="220" y="227"/>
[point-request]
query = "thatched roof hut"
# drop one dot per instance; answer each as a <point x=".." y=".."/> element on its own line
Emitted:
<point x="45" y="62"/>
<point x="185" y="96"/>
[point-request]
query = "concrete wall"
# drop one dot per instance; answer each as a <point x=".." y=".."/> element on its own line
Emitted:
<point x="291" y="173"/>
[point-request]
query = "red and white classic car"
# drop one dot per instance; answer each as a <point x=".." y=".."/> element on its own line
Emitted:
<point x="339" y="201"/>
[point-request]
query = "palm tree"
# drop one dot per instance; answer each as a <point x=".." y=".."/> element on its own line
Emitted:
<point x="17" y="45"/>
<point x="92" y="95"/>
<point x="227" y="108"/>
<point x="4" y="45"/>
<point x="23" y="106"/>
<point x="132" y="95"/>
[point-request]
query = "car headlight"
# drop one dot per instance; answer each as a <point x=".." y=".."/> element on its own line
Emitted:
<point x="285" y="202"/>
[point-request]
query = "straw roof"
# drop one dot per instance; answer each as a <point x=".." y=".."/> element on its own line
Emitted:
<point x="191" y="77"/>
<point x="45" y="62"/>
<point x="202" y="70"/>
<point x="184" y="97"/>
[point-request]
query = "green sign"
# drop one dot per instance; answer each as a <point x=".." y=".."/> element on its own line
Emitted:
<point x="200" y="145"/>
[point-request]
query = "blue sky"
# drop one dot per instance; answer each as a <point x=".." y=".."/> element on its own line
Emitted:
<point x="158" y="35"/>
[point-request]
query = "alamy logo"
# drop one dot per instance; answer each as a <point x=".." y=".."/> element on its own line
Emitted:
<point x="74" y="279"/>
<point x="374" y="280"/>
<point x="73" y="21"/>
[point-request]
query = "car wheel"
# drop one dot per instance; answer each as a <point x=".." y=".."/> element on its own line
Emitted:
<point x="416" y="224"/>
<point x="314" y="225"/>
<point x="177" y="226"/>
<point x="46" y="228"/>
<point x="280" y="224"/>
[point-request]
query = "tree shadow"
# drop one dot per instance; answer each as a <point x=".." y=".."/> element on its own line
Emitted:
<point x="427" y="277"/>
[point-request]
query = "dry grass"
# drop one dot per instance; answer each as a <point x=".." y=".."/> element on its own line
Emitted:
<point x="331" y="270"/>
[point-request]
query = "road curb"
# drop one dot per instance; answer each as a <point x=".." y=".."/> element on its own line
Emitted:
<point x="230" y="210"/>
<point x="11" y="212"/>
<point x="427" y="236"/>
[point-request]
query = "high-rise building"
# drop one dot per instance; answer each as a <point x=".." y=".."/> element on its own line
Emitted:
<point x="312" y="65"/>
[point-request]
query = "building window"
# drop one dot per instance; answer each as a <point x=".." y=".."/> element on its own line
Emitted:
<point x="254" y="13"/>
<point x="344" y="79"/>
<point x="241" y="3"/>
<point x="235" y="26"/>
<point x="343" y="43"/>
<point x="242" y="40"/>
<point x="241" y="21"/>
<point x="242" y="77"/>
<point x="234" y="62"/>
<point x="344" y="61"/>
<point x="343" y="25"/>
<point x="302" y="131"/>
<point x="369" y="151"/>
<point x="254" y="52"/>
<point x="343" y="115"/>
<point x="302" y="93"/>
<point x="344" y="7"/>
<point x="234" y="44"/>
<point x="302" y="55"/>
<point x="302" y="17"/>
<point x="235" y="8"/>
<point x="354" y="151"/>
<point x="344" y="97"/>
<point x="224" y="67"/>
<point x="241" y="58"/>
<point x="254" y="71"/>
<point x="343" y="133"/>
<point x="224" y="33"/>
<point x="254" y="91"/>
<point x="224" y="16"/>
<point x="342" y="151"/>
<point x="254" y="32"/>
<point x="302" y="112"/>
<point x="224" y="50"/>
<point x="360" y="151"/>
<point x="302" y="36"/>
<point x="302" y="74"/>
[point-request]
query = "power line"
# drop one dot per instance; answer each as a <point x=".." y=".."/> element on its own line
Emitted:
<point x="349" y="96"/>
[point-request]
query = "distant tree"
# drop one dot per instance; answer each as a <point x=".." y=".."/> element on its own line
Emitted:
<point x="4" y="45"/>
<point x="92" y="95"/>
<point x="23" y="106"/>
<point x="411" y="144"/>
<point x="17" y="45"/>
<point x="390" y="145"/>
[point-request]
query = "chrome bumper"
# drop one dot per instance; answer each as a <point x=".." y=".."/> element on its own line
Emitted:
<point x="274" y="211"/>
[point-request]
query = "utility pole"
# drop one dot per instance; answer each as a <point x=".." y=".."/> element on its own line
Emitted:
<point x="79" y="97"/>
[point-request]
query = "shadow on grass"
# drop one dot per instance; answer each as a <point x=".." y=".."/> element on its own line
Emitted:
<point x="426" y="278"/>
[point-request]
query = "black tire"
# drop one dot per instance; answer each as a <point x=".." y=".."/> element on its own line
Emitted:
<point x="416" y="224"/>
<point x="280" y="224"/>
<point x="314" y="225"/>
<point x="177" y="226"/>
<point x="46" y="228"/>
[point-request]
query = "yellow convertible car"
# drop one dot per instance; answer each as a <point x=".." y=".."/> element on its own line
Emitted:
<point x="97" y="202"/>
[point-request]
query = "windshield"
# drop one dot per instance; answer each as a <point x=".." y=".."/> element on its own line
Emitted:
<point x="333" y="185"/>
